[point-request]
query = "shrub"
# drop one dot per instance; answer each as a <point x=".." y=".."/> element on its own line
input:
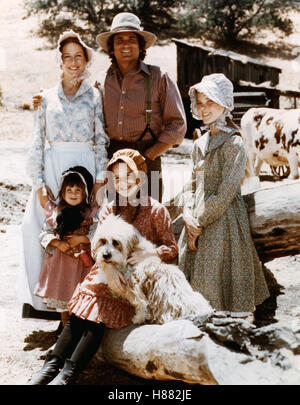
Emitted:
<point x="229" y="21"/>
<point x="90" y="17"/>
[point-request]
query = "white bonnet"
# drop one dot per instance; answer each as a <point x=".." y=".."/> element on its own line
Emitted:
<point x="217" y="88"/>
<point x="73" y="34"/>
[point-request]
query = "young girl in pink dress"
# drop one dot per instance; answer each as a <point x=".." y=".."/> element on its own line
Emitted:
<point x="65" y="240"/>
<point x="93" y="305"/>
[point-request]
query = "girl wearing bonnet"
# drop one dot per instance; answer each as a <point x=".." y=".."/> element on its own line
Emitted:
<point x="68" y="131"/>
<point x="216" y="250"/>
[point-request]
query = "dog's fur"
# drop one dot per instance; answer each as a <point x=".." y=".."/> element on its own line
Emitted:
<point x="158" y="291"/>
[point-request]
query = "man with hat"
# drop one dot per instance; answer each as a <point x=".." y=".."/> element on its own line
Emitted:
<point x="142" y="106"/>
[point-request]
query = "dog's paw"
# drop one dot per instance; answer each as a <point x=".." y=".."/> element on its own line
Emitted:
<point x="138" y="319"/>
<point x="141" y="316"/>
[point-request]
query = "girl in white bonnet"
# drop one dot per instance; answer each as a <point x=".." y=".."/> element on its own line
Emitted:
<point x="216" y="251"/>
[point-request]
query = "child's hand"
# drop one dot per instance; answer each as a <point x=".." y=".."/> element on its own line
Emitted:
<point x="192" y="236"/>
<point x="103" y="214"/>
<point x="139" y="255"/>
<point x="193" y="230"/>
<point x="75" y="240"/>
<point x="60" y="245"/>
<point x="189" y="220"/>
<point x="191" y="223"/>
<point x="191" y="242"/>
<point x="43" y="193"/>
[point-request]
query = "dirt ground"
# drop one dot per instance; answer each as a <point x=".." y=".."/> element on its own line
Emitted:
<point x="27" y="66"/>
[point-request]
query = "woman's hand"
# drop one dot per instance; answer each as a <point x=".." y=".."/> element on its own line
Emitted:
<point x="37" y="100"/>
<point x="115" y="280"/>
<point x="43" y="193"/>
<point x="60" y="245"/>
<point x="139" y="255"/>
<point x="75" y="240"/>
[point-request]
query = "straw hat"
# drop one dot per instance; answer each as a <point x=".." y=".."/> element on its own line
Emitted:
<point x="125" y="22"/>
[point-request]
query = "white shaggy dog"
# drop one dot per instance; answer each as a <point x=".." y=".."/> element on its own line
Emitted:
<point x="158" y="291"/>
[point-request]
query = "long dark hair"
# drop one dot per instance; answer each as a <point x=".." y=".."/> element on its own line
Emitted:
<point x="69" y="218"/>
<point x="72" y="179"/>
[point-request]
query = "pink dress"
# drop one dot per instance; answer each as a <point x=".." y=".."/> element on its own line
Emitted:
<point x="61" y="272"/>
<point x="93" y="300"/>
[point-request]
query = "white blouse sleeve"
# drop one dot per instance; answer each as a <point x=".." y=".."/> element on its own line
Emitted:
<point x="101" y="138"/>
<point x="35" y="158"/>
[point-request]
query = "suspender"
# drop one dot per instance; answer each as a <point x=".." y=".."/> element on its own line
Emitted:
<point x="148" y="101"/>
<point x="148" y="106"/>
<point x="148" y="98"/>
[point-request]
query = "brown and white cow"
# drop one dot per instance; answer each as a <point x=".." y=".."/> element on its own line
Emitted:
<point x="271" y="136"/>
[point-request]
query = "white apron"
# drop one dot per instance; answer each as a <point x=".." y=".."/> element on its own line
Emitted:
<point x="58" y="158"/>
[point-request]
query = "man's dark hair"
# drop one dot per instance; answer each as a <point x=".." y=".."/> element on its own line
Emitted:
<point x="142" y="47"/>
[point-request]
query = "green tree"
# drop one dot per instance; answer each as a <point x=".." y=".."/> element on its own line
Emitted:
<point x="229" y="21"/>
<point x="90" y="17"/>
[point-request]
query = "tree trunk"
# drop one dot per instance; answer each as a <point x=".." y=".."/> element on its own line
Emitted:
<point x="274" y="215"/>
<point x="213" y="349"/>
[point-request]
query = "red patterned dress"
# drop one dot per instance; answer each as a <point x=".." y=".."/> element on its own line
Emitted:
<point x="93" y="300"/>
<point x="61" y="272"/>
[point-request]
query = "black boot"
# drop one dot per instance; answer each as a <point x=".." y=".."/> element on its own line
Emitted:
<point x="49" y="370"/>
<point x="67" y="375"/>
<point x="59" y="329"/>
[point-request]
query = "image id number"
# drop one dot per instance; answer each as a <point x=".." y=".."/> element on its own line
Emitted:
<point x="179" y="395"/>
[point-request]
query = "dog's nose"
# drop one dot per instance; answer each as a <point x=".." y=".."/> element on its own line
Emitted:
<point x="106" y="255"/>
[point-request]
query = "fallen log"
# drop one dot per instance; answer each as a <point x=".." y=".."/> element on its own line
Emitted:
<point x="274" y="215"/>
<point x="211" y="350"/>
